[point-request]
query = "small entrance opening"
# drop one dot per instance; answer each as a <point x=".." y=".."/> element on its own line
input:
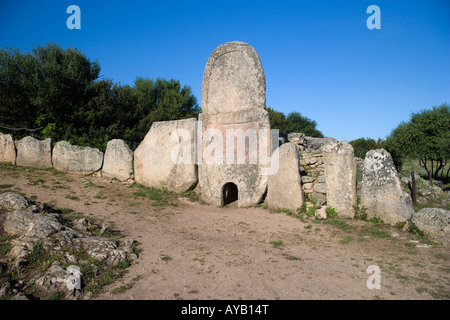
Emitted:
<point x="229" y="193"/>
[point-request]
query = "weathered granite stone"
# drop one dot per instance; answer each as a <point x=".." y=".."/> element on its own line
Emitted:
<point x="165" y="158"/>
<point x="381" y="191"/>
<point x="434" y="223"/>
<point x="117" y="160"/>
<point x="233" y="80"/>
<point x="69" y="158"/>
<point x="234" y="129"/>
<point x="7" y="149"/>
<point x="284" y="188"/>
<point x="34" y="153"/>
<point x="12" y="201"/>
<point x="340" y="175"/>
<point x="21" y="222"/>
<point x="314" y="144"/>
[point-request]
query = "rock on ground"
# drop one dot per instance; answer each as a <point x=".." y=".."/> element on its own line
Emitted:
<point x="340" y="173"/>
<point x="69" y="158"/>
<point x="381" y="192"/>
<point x="34" y="153"/>
<point x="7" y="149"/>
<point x="165" y="158"/>
<point x="284" y="189"/>
<point x="434" y="223"/>
<point x="117" y="161"/>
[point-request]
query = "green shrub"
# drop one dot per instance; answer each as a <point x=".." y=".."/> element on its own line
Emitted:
<point x="331" y="212"/>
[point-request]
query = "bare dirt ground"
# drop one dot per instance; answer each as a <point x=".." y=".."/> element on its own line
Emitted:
<point x="191" y="250"/>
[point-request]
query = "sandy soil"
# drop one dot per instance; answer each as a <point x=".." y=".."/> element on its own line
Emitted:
<point x="191" y="250"/>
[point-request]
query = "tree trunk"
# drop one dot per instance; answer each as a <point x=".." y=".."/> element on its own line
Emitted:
<point x="439" y="167"/>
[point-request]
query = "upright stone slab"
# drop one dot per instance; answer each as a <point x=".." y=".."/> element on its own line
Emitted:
<point x="381" y="191"/>
<point x="34" y="153"/>
<point x="69" y="158"/>
<point x="284" y="188"/>
<point x="340" y="177"/>
<point x="165" y="158"/>
<point x="233" y="80"/>
<point x="7" y="149"/>
<point x="234" y="129"/>
<point x="117" y="162"/>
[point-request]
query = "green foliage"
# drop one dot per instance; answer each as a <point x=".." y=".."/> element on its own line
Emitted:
<point x="56" y="93"/>
<point x="425" y="137"/>
<point x="362" y="145"/>
<point x="331" y="212"/>
<point x="293" y="122"/>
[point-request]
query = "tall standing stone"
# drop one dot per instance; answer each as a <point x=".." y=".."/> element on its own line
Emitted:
<point x="7" y="149"/>
<point x="284" y="188"/>
<point x="340" y="177"/>
<point x="34" y="153"/>
<point x="165" y="158"/>
<point x="382" y="195"/>
<point x="233" y="125"/>
<point x="118" y="159"/>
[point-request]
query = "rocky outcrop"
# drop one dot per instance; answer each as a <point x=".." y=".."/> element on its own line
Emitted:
<point x="12" y="201"/>
<point x="7" y="149"/>
<point x="165" y="158"/>
<point x="434" y="223"/>
<point x="118" y="160"/>
<point x="284" y="189"/>
<point x="69" y="158"/>
<point x="340" y="173"/>
<point x="382" y="195"/>
<point x="313" y="144"/>
<point x="36" y="226"/>
<point x="34" y="153"/>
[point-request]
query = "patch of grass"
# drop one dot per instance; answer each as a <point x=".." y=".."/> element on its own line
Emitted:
<point x="375" y="232"/>
<point x="277" y="244"/>
<point x="341" y="224"/>
<point x="291" y="258"/>
<point x="58" y="295"/>
<point x="5" y="245"/>
<point x="414" y="230"/>
<point x="100" y="195"/>
<point x="165" y="258"/>
<point x="74" y="198"/>
<point x="346" y="240"/>
<point x="41" y="258"/>
<point x="303" y="208"/>
<point x="191" y="195"/>
<point x="6" y="186"/>
<point x="441" y="256"/>
<point x="331" y="212"/>
<point x="375" y="220"/>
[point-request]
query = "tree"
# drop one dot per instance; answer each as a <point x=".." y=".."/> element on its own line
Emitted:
<point x="298" y="123"/>
<point x="294" y="122"/>
<point x="56" y="93"/>
<point x="43" y="91"/>
<point x="425" y="137"/>
<point x="362" y="145"/>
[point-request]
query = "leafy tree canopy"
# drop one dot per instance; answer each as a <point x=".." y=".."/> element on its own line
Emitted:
<point x="426" y="136"/>
<point x="293" y="122"/>
<point x="56" y="93"/>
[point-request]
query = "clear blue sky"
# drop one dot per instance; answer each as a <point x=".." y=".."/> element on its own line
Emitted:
<point x="319" y="57"/>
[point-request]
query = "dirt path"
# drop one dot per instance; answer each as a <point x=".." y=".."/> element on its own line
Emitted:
<point x="195" y="251"/>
